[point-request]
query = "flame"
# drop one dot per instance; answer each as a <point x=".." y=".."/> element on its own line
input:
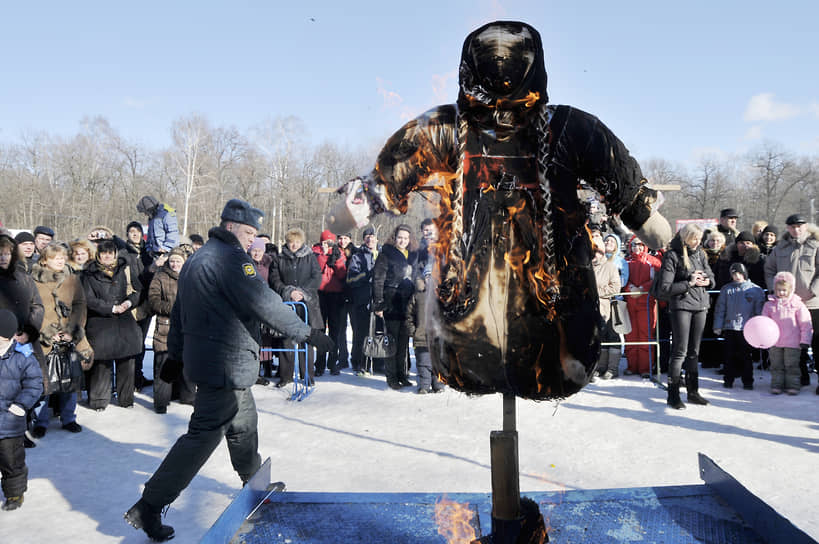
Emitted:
<point x="454" y="521"/>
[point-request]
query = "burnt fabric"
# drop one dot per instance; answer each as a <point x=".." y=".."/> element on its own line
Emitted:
<point x="517" y="307"/>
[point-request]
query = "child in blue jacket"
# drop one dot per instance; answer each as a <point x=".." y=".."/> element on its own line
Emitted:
<point x="21" y="384"/>
<point x="738" y="302"/>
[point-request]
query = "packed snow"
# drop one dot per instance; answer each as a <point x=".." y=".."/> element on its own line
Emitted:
<point x="355" y="435"/>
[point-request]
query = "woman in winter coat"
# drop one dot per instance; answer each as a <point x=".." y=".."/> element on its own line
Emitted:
<point x="161" y="297"/>
<point x="641" y="308"/>
<point x="333" y="265"/>
<point x="112" y="289"/>
<point x="262" y="262"/>
<point x="63" y="321"/>
<point x="19" y="294"/>
<point x="685" y="278"/>
<point x="392" y="289"/>
<point x="295" y="276"/>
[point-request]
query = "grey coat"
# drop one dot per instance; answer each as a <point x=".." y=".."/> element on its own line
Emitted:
<point x="215" y="323"/>
<point x="800" y="259"/>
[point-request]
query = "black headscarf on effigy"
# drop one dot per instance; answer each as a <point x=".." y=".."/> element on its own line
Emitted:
<point x="515" y="307"/>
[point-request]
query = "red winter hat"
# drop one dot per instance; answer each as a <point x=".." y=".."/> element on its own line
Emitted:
<point x="327" y="235"/>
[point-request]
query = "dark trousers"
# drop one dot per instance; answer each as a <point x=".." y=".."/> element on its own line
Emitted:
<point x="163" y="391"/>
<point x="332" y="310"/>
<point x="99" y="386"/>
<point x="738" y="363"/>
<point x="287" y="362"/>
<point x="814" y="344"/>
<point x="217" y="412"/>
<point x="144" y="325"/>
<point x="361" y="325"/>
<point x="686" y="332"/>
<point x="395" y="367"/>
<point x="13" y="467"/>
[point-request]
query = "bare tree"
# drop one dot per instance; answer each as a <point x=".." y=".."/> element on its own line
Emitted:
<point x="191" y="136"/>
<point x="776" y="175"/>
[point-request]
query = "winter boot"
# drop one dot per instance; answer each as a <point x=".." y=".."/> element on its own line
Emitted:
<point x="674" y="394"/>
<point x="692" y="385"/>
<point x="13" y="503"/>
<point x="149" y="519"/>
<point x="602" y="364"/>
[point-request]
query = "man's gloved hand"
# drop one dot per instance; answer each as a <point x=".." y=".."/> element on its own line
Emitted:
<point x="320" y="341"/>
<point x="804" y="346"/>
<point x="171" y="370"/>
<point x="17" y="410"/>
<point x="333" y="257"/>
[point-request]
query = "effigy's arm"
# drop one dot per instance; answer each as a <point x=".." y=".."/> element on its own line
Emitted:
<point x="422" y="148"/>
<point x="604" y="162"/>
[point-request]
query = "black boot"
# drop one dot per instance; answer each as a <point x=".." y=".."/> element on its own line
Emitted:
<point x="692" y="385"/>
<point x="149" y="519"/>
<point x="674" y="394"/>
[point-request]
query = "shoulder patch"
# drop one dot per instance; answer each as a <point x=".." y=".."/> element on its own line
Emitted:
<point x="249" y="270"/>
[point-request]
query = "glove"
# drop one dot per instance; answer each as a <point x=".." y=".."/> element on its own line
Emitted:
<point x="333" y="257"/>
<point x="320" y="341"/>
<point x="17" y="410"/>
<point x="804" y="346"/>
<point x="717" y="331"/>
<point x="171" y="370"/>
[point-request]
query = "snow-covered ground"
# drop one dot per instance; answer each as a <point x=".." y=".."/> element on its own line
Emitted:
<point x="356" y="435"/>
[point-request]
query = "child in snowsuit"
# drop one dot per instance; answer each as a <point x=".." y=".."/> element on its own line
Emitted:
<point x="738" y="301"/>
<point x="795" y="332"/>
<point x="21" y="384"/>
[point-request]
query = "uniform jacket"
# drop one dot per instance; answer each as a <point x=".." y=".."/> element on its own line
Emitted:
<point x="113" y="336"/>
<point x="800" y="259"/>
<point x="21" y="382"/>
<point x="737" y="303"/>
<point x="161" y="296"/>
<point x="300" y="270"/>
<point x="674" y="278"/>
<point x="360" y="275"/>
<point x="393" y="282"/>
<point x="793" y="319"/>
<point x="220" y="305"/>
<point x="19" y="295"/>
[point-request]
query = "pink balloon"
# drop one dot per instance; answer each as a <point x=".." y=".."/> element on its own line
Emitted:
<point x="761" y="332"/>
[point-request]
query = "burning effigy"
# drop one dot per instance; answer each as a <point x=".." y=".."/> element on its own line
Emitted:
<point x="515" y="307"/>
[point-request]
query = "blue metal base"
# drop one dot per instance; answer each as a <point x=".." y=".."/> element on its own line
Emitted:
<point x="677" y="514"/>
<point x="704" y="514"/>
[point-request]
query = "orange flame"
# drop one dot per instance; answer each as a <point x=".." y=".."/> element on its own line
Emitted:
<point x="454" y="521"/>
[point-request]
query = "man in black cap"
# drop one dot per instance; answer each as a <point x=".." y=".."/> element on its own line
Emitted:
<point x="25" y="242"/>
<point x="42" y="237"/>
<point x="215" y="325"/>
<point x="728" y="225"/>
<point x="798" y="253"/>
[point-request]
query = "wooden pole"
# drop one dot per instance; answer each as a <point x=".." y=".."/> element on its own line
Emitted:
<point x="505" y="469"/>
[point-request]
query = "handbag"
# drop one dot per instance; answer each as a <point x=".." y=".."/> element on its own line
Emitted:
<point x="65" y="373"/>
<point x="620" y="321"/>
<point x="378" y="345"/>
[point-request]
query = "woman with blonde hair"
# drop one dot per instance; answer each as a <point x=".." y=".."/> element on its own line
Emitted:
<point x="80" y="253"/>
<point x="63" y="321"/>
<point x="685" y="278"/>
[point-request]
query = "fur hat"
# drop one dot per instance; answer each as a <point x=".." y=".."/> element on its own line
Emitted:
<point x="785" y="277"/>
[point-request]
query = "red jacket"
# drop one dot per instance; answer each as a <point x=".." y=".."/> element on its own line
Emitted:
<point x="641" y="270"/>
<point x="333" y="276"/>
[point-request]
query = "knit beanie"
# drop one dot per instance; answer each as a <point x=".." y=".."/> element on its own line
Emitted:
<point x="327" y="235"/>
<point x="745" y="236"/>
<point x="8" y="324"/>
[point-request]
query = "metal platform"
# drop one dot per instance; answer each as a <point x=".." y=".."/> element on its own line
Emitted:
<point x="721" y="511"/>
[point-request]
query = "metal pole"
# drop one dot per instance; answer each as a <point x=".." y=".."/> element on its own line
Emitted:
<point x="505" y="469"/>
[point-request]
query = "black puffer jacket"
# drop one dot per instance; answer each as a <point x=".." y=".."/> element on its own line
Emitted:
<point x="113" y="336"/>
<point x="674" y="278"/>
<point x="392" y="282"/>
<point x="19" y="295"/>
<point x="290" y="271"/>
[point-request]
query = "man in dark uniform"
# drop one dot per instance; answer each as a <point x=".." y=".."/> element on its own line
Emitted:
<point x="215" y="326"/>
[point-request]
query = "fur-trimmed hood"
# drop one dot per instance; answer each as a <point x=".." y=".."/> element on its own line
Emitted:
<point x="813" y="234"/>
<point x="731" y="254"/>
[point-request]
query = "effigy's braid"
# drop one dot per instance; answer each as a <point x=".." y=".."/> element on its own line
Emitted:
<point x="543" y="154"/>
<point x="457" y="197"/>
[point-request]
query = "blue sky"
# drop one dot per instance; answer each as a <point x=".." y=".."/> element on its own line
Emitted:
<point x="672" y="79"/>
